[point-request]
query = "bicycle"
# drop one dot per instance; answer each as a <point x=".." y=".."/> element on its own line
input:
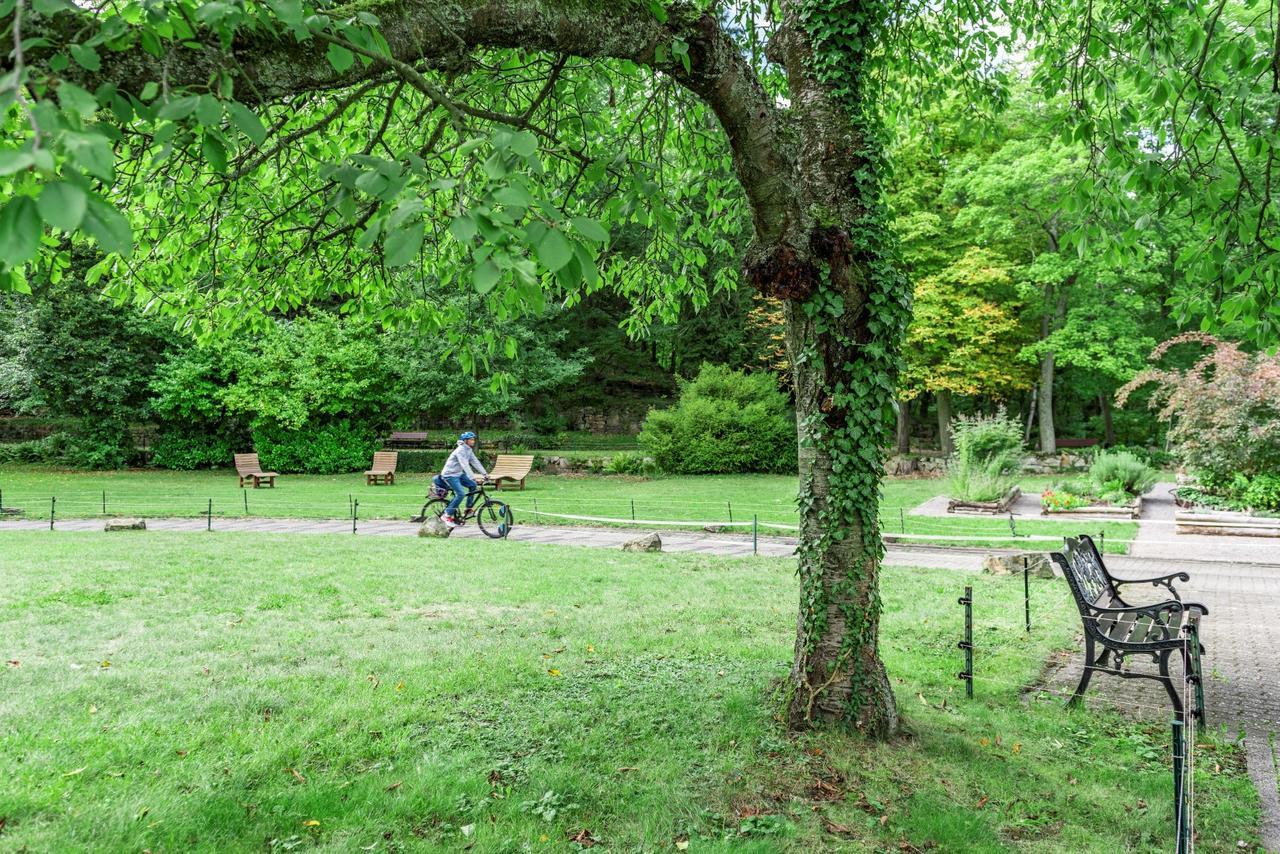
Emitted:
<point x="493" y="517"/>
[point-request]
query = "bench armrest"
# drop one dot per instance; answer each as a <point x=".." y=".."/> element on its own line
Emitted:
<point x="1165" y="581"/>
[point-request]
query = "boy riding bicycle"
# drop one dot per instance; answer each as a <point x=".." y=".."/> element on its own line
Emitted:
<point x="456" y="474"/>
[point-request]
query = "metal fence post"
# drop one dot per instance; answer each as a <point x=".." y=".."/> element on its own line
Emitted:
<point x="535" y="508"/>
<point x="967" y="643"/>
<point x="209" y="526"/>
<point x="355" y="512"/>
<point x="633" y="510"/>
<point x="246" y="502"/>
<point x="53" y="502"/>
<point x="755" y="533"/>
<point x="1026" y="590"/>
<point x="1179" y="787"/>
<point x="1102" y="540"/>
<point x="730" y="504"/>
<point x="104" y="502"/>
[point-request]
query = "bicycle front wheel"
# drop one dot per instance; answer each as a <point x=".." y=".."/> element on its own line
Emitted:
<point x="495" y="519"/>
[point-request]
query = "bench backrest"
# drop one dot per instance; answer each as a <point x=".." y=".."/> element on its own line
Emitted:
<point x="1085" y="573"/>
<point x="512" y="465"/>
<point x="385" y="460"/>
<point x="409" y="436"/>
<point x="248" y="463"/>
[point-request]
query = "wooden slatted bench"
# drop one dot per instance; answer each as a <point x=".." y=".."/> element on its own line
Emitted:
<point x="408" y="439"/>
<point x="383" y="470"/>
<point x="511" y="467"/>
<point x="249" y="469"/>
<point x="1160" y="631"/>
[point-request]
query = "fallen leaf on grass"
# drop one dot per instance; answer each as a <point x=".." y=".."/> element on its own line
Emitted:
<point x="1017" y="747"/>
<point x="553" y="672"/>
<point x="582" y="837"/>
<point x="79" y="770"/>
<point x="180" y="752"/>
<point x="399" y="686"/>
<point x="590" y="648"/>
<point x="982" y="802"/>
<point x="555" y="651"/>
<point x="296" y="775"/>
<point x="397" y="784"/>
<point x="93" y="710"/>
<point x="682" y="845"/>
<point x="832" y="827"/>
<point x="13" y="662"/>
<point x="105" y="664"/>
<point x="374" y="680"/>
<point x="626" y="768"/>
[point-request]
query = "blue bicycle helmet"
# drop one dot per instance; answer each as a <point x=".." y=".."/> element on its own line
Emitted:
<point x="467" y="435"/>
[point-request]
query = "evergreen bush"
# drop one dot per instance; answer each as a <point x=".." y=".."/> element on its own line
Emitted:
<point x="725" y="421"/>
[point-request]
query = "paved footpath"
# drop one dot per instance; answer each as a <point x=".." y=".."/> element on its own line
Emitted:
<point x="1237" y="578"/>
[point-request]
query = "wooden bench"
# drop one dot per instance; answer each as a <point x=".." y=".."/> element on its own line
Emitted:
<point x="408" y="439"/>
<point x="383" y="470"/>
<point x="1160" y="630"/>
<point x="511" y="467"/>
<point x="1075" y="443"/>
<point x="248" y="467"/>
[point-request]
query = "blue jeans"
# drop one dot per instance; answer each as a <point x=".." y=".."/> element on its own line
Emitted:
<point x="460" y="484"/>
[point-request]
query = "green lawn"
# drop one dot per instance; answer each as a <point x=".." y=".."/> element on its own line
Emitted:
<point x="709" y="498"/>
<point x="253" y="692"/>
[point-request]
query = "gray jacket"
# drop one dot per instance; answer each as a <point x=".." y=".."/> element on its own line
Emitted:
<point x="463" y="460"/>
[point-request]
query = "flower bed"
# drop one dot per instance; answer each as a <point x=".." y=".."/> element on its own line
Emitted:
<point x="999" y="507"/>
<point x="1062" y="503"/>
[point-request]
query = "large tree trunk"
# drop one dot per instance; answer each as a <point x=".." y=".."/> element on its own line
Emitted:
<point x="945" y="440"/>
<point x="903" y="432"/>
<point x="1044" y="405"/>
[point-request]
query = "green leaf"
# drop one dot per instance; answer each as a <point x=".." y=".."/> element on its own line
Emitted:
<point x="86" y="57"/>
<point x="524" y="143"/>
<point x="339" y="57"/>
<point x="214" y="152"/>
<point x="402" y="245"/>
<point x="19" y="231"/>
<point x="208" y="110"/>
<point x="62" y="205"/>
<point x="463" y="228"/>
<point x="149" y="90"/>
<point x="247" y="121"/>
<point x="178" y="108"/>
<point x="514" y="195"/>
<point x="590" y="229"/>
<point x="108" y="226"/>
<point x="76" y="100"/>
<point x="486" y="276"/>
<point x="15" y="161"/>
<point x="554" y="250"/>
<point x="91" y="152"/>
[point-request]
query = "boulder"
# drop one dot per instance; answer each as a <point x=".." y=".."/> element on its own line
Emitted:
<point x="650" y="543"/>
<point x="435" y="527"/>
<point x="714" y="529"/>
<point x="1011" y="564"/>
<point x="125" y="525"/>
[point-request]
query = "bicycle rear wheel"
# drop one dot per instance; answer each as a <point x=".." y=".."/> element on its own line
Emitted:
<point x="495" y="519"/>
<point x="433" y="509"/>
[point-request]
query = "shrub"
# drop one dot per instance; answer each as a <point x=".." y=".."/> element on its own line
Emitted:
<point x="629" y="462"/>
<point x="186" y="451"/>
<point x="1263" y="493"/>
<point x="1118" y="476"/>
<point x="725" y="421"/>
<point x="1224" y="410"/>
<point x="316" y="449"/>
<point x="988" y="454"/>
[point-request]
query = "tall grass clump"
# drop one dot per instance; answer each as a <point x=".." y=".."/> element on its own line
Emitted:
<point x="987" y="457"/>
